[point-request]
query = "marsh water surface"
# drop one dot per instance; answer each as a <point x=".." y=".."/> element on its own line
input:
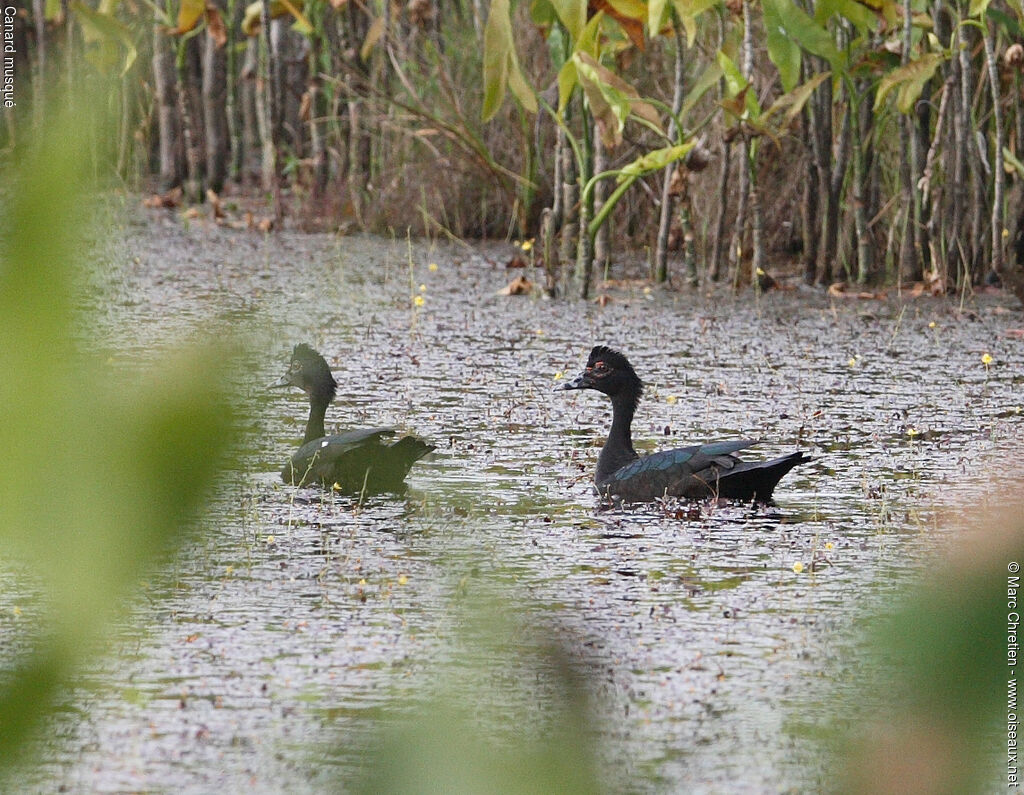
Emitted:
<point x="264" y="660"/>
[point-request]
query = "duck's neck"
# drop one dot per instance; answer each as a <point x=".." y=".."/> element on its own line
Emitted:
<point x="315" y="424"/>
<point x="618" y="450"/>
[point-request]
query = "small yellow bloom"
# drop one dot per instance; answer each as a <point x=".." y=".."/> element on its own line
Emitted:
<point x="527" y="244"/>
<point x="362" y="582"/>
<point x="798" y="567"/>
<point x="418" y="301"/>
<point x="829" y="546"/>
<point x="402" y="579"/>
<point x="432" y="267"/>
<point x="423" y="288"/>
<point x="986" y="359"/>
<point x="558" y="375"/>
<point x="932" y="324"/>
<point x="270" y="540"/>
<point x="229" y="569"/>
<point x="671" y="399"/>
<point x="336" y="486"/>
<point x="852" y="362"/>
<point x="16" y="610"/>
<point x="1006" y="232"/>
<point x="540" y="332"/>
<point x="912" y="432"/>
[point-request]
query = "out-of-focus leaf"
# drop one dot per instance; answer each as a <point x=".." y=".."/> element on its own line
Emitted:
<point x="708" y="78"/>
<point x="656" y="160"/>
<point x="542" y="13"/>
<point x="656" y="15"/>
<point x="629" y="14"/>
<point x="278" y="8"/>
<point x="811" y="36"/>
<point x="451" y="740"/>
<point x="782" y="50"/>
<point x="977" y="8"/>
<point x="862" y="15"/>
<point x="501" y="65"/>
<point x="132" y="458"/>
<point x="215" y="26"/>
<point x="189" y="14"/>
<point x="102" y="33"/>
<point x="1011" y="163"/>
<point x="688" y="11"/>
<point x="373" y="34"/>
<point x="611" y="99"/>
<point x="910" y="80"/>
<point x="302" y="24"/>
<point x="567" y="80"/>
<point x="737" y="88"/>
<point x="573" y="14"/>
<point x="793" y="102"/>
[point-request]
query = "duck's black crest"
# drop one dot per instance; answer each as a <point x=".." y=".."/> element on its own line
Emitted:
<point x="618" y="362"/>
<point x="317" y="369"/>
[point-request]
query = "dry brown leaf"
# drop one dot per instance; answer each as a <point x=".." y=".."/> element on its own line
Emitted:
<point x="215" y="26"/>
<point x="216" y="207"/>
<point x="603" y="299"/>
<point x="171" y="198"/>
<point x="516" y="262"/>
<point x="265" y="224"/>
<point x="518" y="286"/>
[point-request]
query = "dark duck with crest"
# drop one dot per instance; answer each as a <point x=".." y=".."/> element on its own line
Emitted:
<point x="704" y="470"/>
<point x="355" y="462"/>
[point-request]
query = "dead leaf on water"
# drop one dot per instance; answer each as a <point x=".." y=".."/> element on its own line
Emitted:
<point x="518" y="286"/>
<point x="171" y="198"/>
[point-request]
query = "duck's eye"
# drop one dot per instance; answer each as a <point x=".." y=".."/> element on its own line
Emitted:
<point x="296" y="366"/>
<point x="599" y="368"/>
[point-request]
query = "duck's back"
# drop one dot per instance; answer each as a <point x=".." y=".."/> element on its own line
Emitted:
<point x="357" y="461"/>
<point x="690" y="472"/>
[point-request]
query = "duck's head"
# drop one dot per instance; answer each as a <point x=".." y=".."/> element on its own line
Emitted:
<point x="309" y="372"/>
<point x="610" y="372"/>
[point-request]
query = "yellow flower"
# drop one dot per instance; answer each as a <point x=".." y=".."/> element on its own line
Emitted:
<point x="527" y="244"/>
<point x="798" y="567"/>
<point x="362" y="582"/>
<point x="852" y="362"/>
<point x="829" y="546"/>
<point x="986" y="358"/>
<point x="932" y="324"/>
<point x="418" y="301"/>
<point x="912" y="432"/>
<point x="16" y="610"/>
<point x="229" y="569"/>
<point x="558" y="375"/>
<point x="270" y="540"/>
<point x="402" y="579"/>
<point x="423" y="288"/>
<point x="540" y="332"/>
<point x="336" y="486"/>
<point x="671" y="399"/>
<point x="432" y="267"/>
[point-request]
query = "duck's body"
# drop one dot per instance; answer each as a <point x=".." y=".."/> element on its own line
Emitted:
<point x="355" y="462"/>
<point x="704" y="470"/>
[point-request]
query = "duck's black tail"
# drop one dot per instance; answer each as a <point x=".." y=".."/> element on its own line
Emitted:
<point x="756" y="480"/>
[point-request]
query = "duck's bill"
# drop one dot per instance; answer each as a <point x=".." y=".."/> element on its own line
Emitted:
<point x="582" y="381"/>
<point x="280" y="383"/>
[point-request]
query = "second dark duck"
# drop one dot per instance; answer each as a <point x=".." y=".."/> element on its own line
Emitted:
<point x="704" y="470"/>
<point x="355" y="462"/>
